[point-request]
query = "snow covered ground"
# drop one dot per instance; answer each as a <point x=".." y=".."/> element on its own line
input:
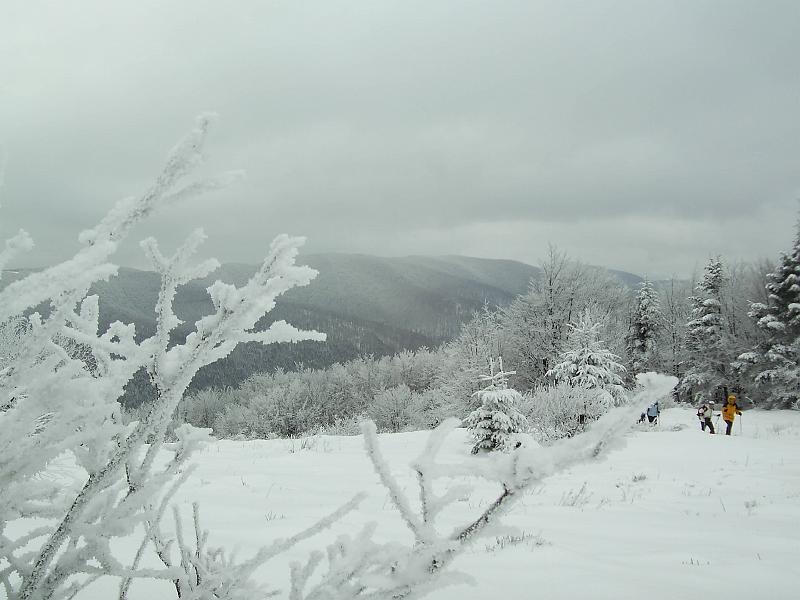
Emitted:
<point x="674" y="514"/>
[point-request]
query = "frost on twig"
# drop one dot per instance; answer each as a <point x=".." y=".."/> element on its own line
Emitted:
<point x="207" y="572"/>
<point x="61" y="381"/>
<point x="358" y="567"/>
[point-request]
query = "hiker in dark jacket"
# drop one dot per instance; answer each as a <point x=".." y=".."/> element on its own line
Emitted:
<point x="653" y="412"/>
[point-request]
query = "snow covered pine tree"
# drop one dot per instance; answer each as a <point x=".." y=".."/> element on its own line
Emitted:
<point x="587" y="363"/>
<point x="496" y="420"/>
<point x="775" y="364"/>
<point x="708" y="351"/>
<point x="646" y="324"/>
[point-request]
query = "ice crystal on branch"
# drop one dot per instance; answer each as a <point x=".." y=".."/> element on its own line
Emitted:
<point x="60" y="385"/>
<point x="359" y="568"/>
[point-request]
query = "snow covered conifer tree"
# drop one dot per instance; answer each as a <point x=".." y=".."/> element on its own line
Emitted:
<point x="646" y="325"/>
<point x="587" y="362"/>
<point x="534" y="328"/>
<point x="707" y="346"/>
<point x="496" y="420"/>
<point x="775" y="364"/>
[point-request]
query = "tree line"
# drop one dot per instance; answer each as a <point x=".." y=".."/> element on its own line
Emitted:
<point x="576" y="330"/>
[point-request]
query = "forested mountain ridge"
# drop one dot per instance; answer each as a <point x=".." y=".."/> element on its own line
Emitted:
<point x="431" y="296"/>
<point x="366" y="304"/>
<point x="422" y="297"/>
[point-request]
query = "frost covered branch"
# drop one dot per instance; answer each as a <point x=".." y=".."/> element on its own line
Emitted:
<point x="59" y="391"/>
<point x="206" y="572"/>
<point x="358" y="567"/>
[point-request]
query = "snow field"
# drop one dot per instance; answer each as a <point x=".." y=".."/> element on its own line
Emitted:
<point x="676" y="513"/>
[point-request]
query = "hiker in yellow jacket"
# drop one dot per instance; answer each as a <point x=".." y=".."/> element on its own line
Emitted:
<point x="729" y="413"/>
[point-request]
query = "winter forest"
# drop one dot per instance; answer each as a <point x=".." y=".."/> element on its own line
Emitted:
<point x="441" y="384"/>
<point x="577" y="327"/>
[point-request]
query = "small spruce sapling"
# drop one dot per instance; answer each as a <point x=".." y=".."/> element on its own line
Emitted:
<point x="496" y="421"/>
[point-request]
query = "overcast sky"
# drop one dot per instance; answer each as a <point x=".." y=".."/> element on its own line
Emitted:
<point x="638" y="135"/>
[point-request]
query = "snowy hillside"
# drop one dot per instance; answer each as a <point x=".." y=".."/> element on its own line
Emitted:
<point x="674" y="514"/>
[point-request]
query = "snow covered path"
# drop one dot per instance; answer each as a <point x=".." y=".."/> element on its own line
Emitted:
<point x="673" y="515"/>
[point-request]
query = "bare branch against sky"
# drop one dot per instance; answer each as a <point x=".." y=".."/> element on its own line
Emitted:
<point x="639" y="135"/>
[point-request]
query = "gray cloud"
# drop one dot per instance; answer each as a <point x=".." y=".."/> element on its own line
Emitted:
<point x="640" y="135"/>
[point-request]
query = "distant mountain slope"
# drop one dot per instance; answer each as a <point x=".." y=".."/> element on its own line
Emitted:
<point x="366" y="305"/>
<point x="430" y="296"/>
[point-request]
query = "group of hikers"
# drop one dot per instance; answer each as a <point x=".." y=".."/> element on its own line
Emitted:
<point x="729" y="412"/>
<point x="705" y="413"/>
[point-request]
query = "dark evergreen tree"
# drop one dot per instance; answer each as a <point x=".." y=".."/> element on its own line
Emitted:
<point x="708" y="348"/>
<point x="646" y="325"/>
<point x="774" y="366"/>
